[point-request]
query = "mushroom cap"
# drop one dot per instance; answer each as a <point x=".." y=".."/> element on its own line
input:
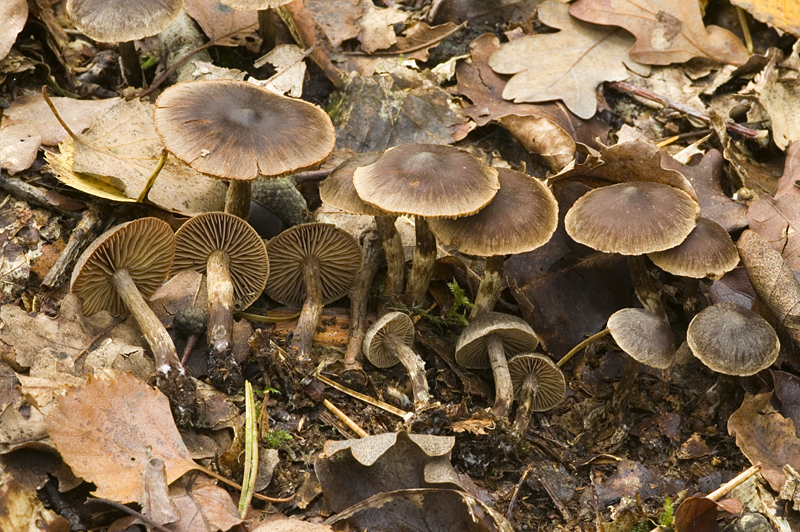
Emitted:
<point x="337" y="189"/>
<point x="339" y="257"/>
<point x="374" y="348"/>
<point x="517" y="335"/>
<point x="427" y="180"/>
<point x="145" y="247"/>
<point x="253" y="5"/>
<point x="122" y="20"/>
<point x="522" y="216"/>
<point x="632" y="218"/>
<point x="733" y="340"/>
<point x="644" y="336"/>
<point x="206" y="233"/>
<point x="551" y="386"/>
<point x="236" y="130"/>
<point x="708" y="251"/>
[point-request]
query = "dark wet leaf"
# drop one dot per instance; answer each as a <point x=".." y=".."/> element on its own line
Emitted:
<point x="697" y="514"/>
<point x="733" y="287"/>
<point x="787" y="390"/>
<point x="778" y="222"/>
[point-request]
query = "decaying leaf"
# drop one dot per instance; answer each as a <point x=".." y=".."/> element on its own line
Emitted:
<point x="203" y="506"/>
<point x="351" y="471"/>
<point x="789" y="183"/>
<point x="778" y="221"/>
<point x="282" y="524"/>
<point x="28" y="124"/>
<point x="764" y="436"/>
<point x="14" y="14"/>
<point x="289" y="64"/>
<point x="23" y="510"/>
<point x="587" y="56"/>
<point x="338" y="20"/>
<point x="418" y="34"/>
<point x="787" y="391"/>
<point x="779" y="99"/>
<point x="376" y="27"/>
<point x="667" y="31"/>
<point x="783" y="14"/>
<point x="227" y="26"/>
<point x="697" y="514"/>
<point x="121" y="419"/>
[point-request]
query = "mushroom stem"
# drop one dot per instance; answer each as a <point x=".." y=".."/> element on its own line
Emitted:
<point x="237" y="200"/>
<point x="395" y="258"/>
<point x="266" y="29"/>
<point x="646" y="291"/>
<point x="415" y="367"/>
<point x="490" y="287"/>
<point x="219" y="332"/>
<point x="358" y="298"/>
<point x="154" y="332"/>
<point x="131" y="69"/>
<point x="504" y="389"/>
<point x="530" y="385"/>
<point x="312" y="309"/>
<point x="422" y="266"/>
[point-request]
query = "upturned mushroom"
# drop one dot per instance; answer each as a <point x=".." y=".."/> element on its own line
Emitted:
<point x="428" y="181"/>
<point x="521" y="217"/>
<point x="116" y="273"/>
<point x="388" y="342"/>
<point x="234" y="259"/>
<point x="538" y="384"/>
<point x="122" y="22"/>
<point x="486" y="342"/>
<point x="311" y="264"/>
<point x="237" y="131"/>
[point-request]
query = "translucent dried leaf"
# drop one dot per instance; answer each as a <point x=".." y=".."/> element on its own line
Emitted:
<point x="13" y="13"/>
<point x="783" y="14"/>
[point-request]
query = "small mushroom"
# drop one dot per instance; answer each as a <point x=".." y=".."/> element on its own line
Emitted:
<point x="538" y="384"/>
<point x="313" y="265"/>
<point x="486" y="342"/>
<point x="234" y="259"/>
<point x="388" y="342"/>
<point x="123" y="21"/>
<point x="236" y="130"/>
<point x="730" y="339"/>
<point x="125" y="265"/>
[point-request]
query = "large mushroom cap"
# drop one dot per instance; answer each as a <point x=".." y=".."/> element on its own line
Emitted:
<point x="733" y="340"/>
<point x="708" y="251"/>
<point x="339" y="257"/>
<point x="550" y="384"/>
<point x="644" y="336"/>
<point x="427" y="180"/>
<point x="522" y="216"/>
<point x="338" y="190"/>
<point x="122" y="20"/>
<point x="206" y="233"/>
<point x="237" y="130"/>
<point x="145" y="247"/>
<point x="632" y="218"/>
<point x="517" y="336"/>
<point x="374" y="347"/>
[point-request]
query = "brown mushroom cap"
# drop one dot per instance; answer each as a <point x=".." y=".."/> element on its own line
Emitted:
<point x="708" y="251"/>
<point x="145" y="247"/>
<point x="206" y="233"/>
<point x="122" y="20"/>
<point x="551" y="384"/>
<point x="339" y="257"/>
<point x="517" y="336"/>
<point x="337" y="189"/>
<point x="733" y="340"/>
<point x="427" y="180"/>
<point x="632" y="218"/>
<point x="644" y="336"/>
<point x="522" y="216"/>
<point x="253" y="5"/>
<point x="395" y="324"/>
<point x="237" y="130"/>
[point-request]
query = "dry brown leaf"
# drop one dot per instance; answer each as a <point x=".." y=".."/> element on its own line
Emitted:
<point x="13" y="13"/>
<point x="587" y="56"/>
<point x="291" y="525"/>
<point x="418" y="34"/>
<point x="697" y="514"/>
<point x="667" y="31"/>
<point x="783" y="14"/>
<point x="338" y="20"/>
<point x="228" y="26"/>
<point x="376" y="32"/>
<point x="289" y="64"/>
<point x="28" y="123"/>
<point x="18" y="429"/>
<point x="121" y="419"/>
<point x="789" y="183"/>
<point x="779" y="100"/>
<point x="764" y="436"/>
<point x="23" y="510"/>
<point x="778" y="222"/>
<point x="204" y="506"/>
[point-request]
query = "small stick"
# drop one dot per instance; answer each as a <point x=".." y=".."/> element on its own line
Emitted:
<point x="81" y="237"/>
<point x="366" y="398"/>
<point x="510" y="512"/>
<point x="735" y="482"/>
<point x="345" y="419"/>
<point x="162" y="159"/>
<point x="748" y="39"/>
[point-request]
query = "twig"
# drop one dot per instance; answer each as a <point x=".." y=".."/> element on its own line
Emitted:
<point x="694" y="113"/>
<point x="347" y="420"/>
<point x="735" y="482"/>
<point x="165" y="75"/>
<point x="81" y="236"/>
<point x="510" y="512"/>
<point x="366" y="398"/>
<point x="413" y="48"/>
<point x="131" y="511"/>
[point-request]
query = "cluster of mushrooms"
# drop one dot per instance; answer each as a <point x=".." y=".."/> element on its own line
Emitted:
<point x="453" y="198"/>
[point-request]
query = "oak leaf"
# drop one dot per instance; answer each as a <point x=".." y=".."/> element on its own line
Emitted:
<point x="783" y="14"/>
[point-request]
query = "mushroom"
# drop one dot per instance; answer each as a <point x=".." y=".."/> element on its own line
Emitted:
<point x="123" y="21"/>
<point x="236" y="130"/>
<point x="313" y="264"/>
<point x="125" y="265"/>
<point x="538" y="384"/>
<point x="428" y="181"/>
<point x="486" y="341"/>
<point x="522" y="216"/>
<point x="234" y="259"/>
<point x="730" y="339"/>
<point x="338" y="190"/>
<point x="388" y="342"/>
